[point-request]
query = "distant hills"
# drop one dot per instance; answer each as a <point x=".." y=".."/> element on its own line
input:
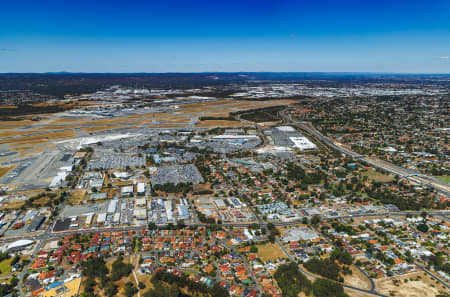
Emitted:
<point x="57" y="84"/>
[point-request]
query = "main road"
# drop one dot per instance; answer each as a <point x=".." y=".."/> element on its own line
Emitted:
<point x="50" y="234"/>
<point x="408" y="174"/>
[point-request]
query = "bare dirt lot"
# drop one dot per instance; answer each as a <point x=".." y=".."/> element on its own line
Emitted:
<point x="354" y="293"/>
<point x="417" y="284"/>
<point x="357" y="279"/>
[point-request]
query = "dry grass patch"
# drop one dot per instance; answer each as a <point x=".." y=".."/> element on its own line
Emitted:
<point x="220" y="123"/>
<point x="142" y="122"/>
<point x="41" y="201"/>
<point x="202" y="187"/>
<point x="15" y="133"/>
<point x="77" y="196"/>
<point x="61" y="104"/>
<point x="102" y="128"/>
<point x="151" y="115"/>
<point x="19" y="123"/>
<point x="377" y="176"/>
<point x="106" y="122"/>
<point x="417" y="284"/>
<point x="120" y="183"/>
<point x="8" y="127"/>
<point x="357" y="279"/>
<point x="21" y="149"/>
<point x="13" y="205"/>
<point x="224" y="107"/>
<point x="40" y="138"/>
<point x="270" y="251"/>
<point x="88" y="103"/>
<point x="30" y="150"/>
<point x="163" y="125"/>
<point x="69" y="121"/>
<point x="5" y="170"/>
<point x="184" y="120"/>
<point x="146" y="280"/>
<point x="57" y="127"/>
<point x="354" y="293"/>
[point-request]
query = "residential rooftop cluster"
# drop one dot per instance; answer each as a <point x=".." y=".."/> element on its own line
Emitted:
<point x="286" y="202"/>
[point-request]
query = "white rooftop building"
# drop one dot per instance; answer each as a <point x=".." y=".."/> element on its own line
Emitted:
<point x="141" y="188"/>
<point x="19" y="244"/>
<point x="303" y="143"/>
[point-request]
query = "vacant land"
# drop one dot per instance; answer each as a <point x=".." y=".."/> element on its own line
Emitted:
<point x="77" y="196"/>
<point x="354" y="293"/>
<point x="377" y="176"/>
<point x="411" y="285"/>
<point x="5" y="170"/>
<point x="357" y="279"/>
<point x="270" y="251"/>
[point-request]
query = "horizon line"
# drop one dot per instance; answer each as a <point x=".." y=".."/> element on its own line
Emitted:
<point x="231" y="72"/>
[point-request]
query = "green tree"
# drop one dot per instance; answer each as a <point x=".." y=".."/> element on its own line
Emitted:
<point x="130" y="289"/>
<point x="325" y="288"/>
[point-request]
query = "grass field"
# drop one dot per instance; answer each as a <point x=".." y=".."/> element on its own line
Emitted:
<point x="5" y="266"/>
<point x="444" y="178"/>
<point x="270" y="251"/>
<point x="377" y="176"/>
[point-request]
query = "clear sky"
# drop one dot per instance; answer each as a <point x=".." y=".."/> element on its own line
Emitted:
<point x="207" y="36"/>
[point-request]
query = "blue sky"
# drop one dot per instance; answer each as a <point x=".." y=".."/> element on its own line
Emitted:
<point x="207" y="36"/>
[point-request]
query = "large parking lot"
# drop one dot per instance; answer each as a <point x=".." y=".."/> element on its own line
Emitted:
<point x="177" y="174"/>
